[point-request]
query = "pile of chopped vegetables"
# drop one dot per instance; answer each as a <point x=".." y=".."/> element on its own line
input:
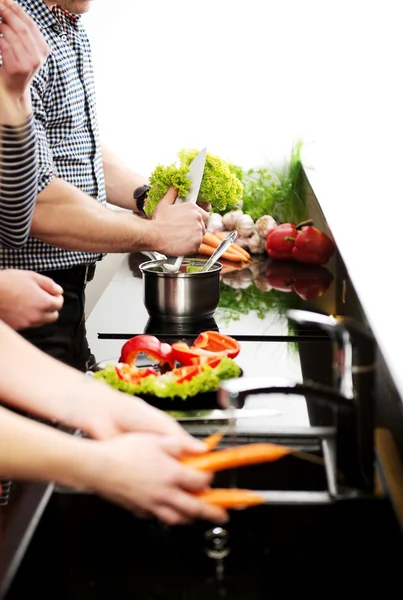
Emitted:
<point x="202" y="366"/>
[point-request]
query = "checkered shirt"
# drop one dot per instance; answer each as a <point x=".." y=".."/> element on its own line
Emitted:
<point x="63" y="97"/>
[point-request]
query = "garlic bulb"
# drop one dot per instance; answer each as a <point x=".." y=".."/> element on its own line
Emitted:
<point x="230" y="219"/>
<point x="245" y="226"/>
<point x="261" y="284"/>
<point x="243" y="242"/>
<point x="256" y="244"/>
<point x="215" y="223"/>
<point x="264" y="225"/>
<point x="240" y="280"/>
<point x="255" y="267"/>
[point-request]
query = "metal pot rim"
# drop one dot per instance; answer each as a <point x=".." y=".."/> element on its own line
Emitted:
<point x="146" y="267"/>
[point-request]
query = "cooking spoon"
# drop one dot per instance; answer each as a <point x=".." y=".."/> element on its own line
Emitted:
<point x="221" y="248"/>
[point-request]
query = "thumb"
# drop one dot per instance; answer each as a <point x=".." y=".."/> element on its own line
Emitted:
<point x="169" y="197"/>
<point x="182" y="446"/>
<point x="48" y="285"/>
<point x="173" y="446"/>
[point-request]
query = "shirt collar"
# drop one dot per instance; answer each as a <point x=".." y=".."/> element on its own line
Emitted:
<point x="64" y="16"/>
<point x="46" y="18"/>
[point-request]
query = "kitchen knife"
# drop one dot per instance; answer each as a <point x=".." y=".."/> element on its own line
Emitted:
<point x="195" y="175"/>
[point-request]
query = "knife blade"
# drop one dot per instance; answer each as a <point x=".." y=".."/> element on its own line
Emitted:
<point x="195" y="175"/>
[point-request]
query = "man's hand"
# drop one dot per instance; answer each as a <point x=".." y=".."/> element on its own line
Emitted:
<point x="142" y="473"/>
<point x="23" y="49"/>
<point x="178" y="228"/>
<point x="28" y="299"/>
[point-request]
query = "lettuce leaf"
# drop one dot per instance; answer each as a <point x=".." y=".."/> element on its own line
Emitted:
<point x="164" y="386"/>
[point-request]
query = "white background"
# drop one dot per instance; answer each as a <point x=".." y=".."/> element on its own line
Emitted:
<point x="246" y="78"/>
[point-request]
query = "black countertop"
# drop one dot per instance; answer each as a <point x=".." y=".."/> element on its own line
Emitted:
<point x="87" y="549"/>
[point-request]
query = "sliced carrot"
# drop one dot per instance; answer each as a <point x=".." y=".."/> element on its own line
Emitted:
<point x="214" y="439"/>
<point x="230" y="497"/>
<point x="249" y="454"/>
<point x="208" y="251"/>
<point x="212" y="239"/>
<point x="223" y="234"/>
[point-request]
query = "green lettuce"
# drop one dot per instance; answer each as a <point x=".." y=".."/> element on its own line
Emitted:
<point x="164" y="386"/>
<point x="220" y="186"/>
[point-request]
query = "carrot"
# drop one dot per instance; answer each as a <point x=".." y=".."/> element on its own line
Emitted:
<point x="214" y="439"/>
<point x="230" y="497"/>
<point x="208" y="251"/>
<point x="223" y="234"/>
<point x="240" y="456"/>
<point x="212" y="240"/>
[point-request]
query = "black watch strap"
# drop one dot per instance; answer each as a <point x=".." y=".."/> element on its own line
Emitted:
<point x="140" y="194"/>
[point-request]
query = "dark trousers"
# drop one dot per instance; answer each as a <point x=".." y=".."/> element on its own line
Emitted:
<point x="66" y="339"/>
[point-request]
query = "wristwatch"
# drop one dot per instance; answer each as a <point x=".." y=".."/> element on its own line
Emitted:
<point x="140" y="194"/>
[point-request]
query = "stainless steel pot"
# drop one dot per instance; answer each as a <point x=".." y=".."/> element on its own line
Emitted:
<point x="181" y="297"/>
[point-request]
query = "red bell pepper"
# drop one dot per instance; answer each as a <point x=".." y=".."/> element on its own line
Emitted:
<point x="190" y="355"/>
<point x="131" y="374"/>
<point x="308" y="281"/>
<point x="208" y="346"/>
<point x="214" y="341"/>
<point x="280" y="241"/>
<point x="312" y="246"/>
<point x="187" y="373"/>
<point x="149" y="345"/>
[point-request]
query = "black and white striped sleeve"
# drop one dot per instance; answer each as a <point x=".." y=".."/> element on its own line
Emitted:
<point x="18" y="182"/>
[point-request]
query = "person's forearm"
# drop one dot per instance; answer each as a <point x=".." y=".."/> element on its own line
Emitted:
<point x="31" y="451"/>
<point x="60" y="207"/>
<point x="14" y="110"/>
<point x="60" y="393"/>
<point x="120" y="181"/>
<point x="58" y="388"/>
<point x="18" y="182"/>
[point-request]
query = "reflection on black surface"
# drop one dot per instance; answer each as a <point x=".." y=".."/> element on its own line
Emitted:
<point x="184" y="331"/>
<point x="86" y="549"/>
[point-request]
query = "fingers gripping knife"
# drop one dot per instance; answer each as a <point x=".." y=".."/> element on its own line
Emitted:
<point x="195" y="175"/>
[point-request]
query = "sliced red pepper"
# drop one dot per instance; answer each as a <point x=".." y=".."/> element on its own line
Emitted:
<point x="211" y="361"/>
<point x="187" y="373"/>
<point x="189" y="355"/>
<point x="214" y="341"/>
<point x="149" y="345"/>
<point x="280" y="241"/>
<point x="133" y="375"/>
<point x="312" y="246"/>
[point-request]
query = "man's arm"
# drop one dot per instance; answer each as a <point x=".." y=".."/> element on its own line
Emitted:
<point x="67" y="218"/>
<point x="120" y="181"/>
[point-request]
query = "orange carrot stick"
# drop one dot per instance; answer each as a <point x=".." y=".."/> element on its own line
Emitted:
<point x="208" y="251"/>
<point x="249" y="454"/>
<point x="212" y="240"/>
<point x="230" y="497"/>
<point x="223" y="234"/>
<point x="214" y="439"/>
